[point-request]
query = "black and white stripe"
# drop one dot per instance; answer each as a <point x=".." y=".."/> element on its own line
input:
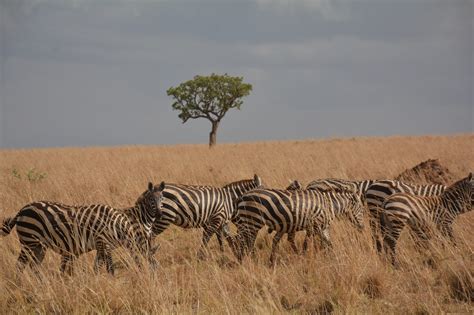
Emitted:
<point x="208" y="207"/>
<point x="419" y="212"/>
<point x="289" y="211"/>
<point x="357" y="186"/>
<point x="379" y="191"/>
<point x="73" y="230"/>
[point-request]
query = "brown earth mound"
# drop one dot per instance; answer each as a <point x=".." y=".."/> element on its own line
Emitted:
<point x="428" y="172"/>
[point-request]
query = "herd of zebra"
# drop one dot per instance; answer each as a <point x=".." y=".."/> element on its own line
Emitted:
<point x="73" y="230"/>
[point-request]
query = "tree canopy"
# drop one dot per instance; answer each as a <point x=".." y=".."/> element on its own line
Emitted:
<point x="209" y="97"/>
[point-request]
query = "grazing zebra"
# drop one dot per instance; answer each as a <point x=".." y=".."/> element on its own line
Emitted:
<point x="420" y="211"/>
<point x="379" y="191"/>
<point x="74" y="230"/>
<point x="288" y="211"/>
<point x="202" y="206"/>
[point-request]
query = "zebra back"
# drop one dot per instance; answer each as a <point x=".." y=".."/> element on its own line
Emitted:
<point x="379" y="191"/>
<point x="358" y="187"/>
<point x="291" y="210"/>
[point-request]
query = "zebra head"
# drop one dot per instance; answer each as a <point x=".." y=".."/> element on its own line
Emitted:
<point x="149" y="203"/>
<point x="461" y="194"/>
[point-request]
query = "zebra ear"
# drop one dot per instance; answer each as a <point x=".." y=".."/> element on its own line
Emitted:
<point x="469" y="178"/>
<point x="161" y="187"/>
<point x="150" y="186"/>
<point x="257" y="180"/>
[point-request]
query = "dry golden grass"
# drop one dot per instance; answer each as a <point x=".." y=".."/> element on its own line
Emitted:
<point x="351" y="279"/>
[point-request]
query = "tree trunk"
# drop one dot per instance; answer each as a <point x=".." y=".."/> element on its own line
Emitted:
<point x="213" y="134"/>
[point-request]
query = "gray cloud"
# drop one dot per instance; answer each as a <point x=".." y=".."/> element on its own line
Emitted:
<point x="96" y="72"/>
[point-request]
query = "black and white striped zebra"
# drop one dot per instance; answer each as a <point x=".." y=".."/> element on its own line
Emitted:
<point x="74" y="230"/>
<point x="208" y="207"/>
<point x="289" y="211"/>
<point x="379" y="191"/>
<point x="419" y="212"/>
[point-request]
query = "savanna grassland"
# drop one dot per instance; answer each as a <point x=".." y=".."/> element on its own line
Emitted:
<point x="350" y="279"/>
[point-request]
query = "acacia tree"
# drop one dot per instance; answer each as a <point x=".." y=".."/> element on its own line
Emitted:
<point x="209" y="97"/>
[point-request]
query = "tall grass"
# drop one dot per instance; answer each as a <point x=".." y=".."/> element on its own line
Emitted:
<point x="351" y="278"/>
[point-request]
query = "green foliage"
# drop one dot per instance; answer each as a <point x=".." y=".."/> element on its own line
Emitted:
<point x="208" y="97"/>
<point x="32" y="175"/>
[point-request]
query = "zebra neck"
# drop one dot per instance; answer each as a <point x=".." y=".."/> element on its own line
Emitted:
<point x="234" y="192"/>
<point x="137" y="214"/>
<point x="335" y="205"/>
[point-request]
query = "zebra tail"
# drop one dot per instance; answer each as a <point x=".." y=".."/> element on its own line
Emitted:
<point x="7" y="226"/>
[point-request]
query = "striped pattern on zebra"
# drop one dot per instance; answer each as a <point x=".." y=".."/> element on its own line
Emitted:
<point x="294" y="185"/>
<point x="419" y="212"/>
<point x="379" y="191"/>
<point x="208" y="207"/>
<point x="289" y="211"/>
<point x="357" y="186"/>
<point x="74" y="230"/>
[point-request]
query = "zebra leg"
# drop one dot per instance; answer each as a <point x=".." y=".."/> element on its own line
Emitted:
<point x="375" y="232"/>
<point x="104" y="255"/>
<point x="275" y="242"/>
<point x="248" y="245"/>
<point x="109" y="264"/>
<point x="31" y="255"/>
<point x="391" y="230"/>
<point x="220" y="237"/>
<point x="23" y="259"/>
<point x="67" y="261"/>
<point x="325" y="239"/>
<point x="448" y="233"/>
<point x="209" y="230"/>
<point x="291" y="239"/>
<point x="99" y="257"/>
<point x="308" y="236"/>
<point x="420" y="236"/>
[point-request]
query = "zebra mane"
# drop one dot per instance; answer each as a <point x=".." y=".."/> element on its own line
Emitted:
<point x="333" y="189"/>
<point x="244" y="182"/>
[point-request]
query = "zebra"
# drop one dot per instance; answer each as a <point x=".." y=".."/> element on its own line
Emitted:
<point x="208" y="207"/>
<point x="74" y="230"/>
<point x="419" y="212"/>
<point x="289" y="211"/>
<point x="379" y="191"/>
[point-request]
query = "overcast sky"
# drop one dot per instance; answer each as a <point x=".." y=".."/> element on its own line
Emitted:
<point x="95" y="72"/>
